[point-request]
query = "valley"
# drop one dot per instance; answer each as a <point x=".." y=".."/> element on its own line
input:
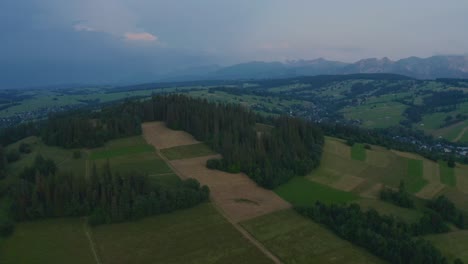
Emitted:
<point x="242" y="222"/>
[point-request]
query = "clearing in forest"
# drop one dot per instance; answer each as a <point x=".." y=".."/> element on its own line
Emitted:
<point x="187" y="151"/>
<point x="235" y="194"/>
<point x="161" y="137"/>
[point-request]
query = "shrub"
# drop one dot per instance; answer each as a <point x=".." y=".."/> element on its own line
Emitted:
<point x="12" y="156"/>
<point x="25" y="148"/>
<point x="214" y="164"/>
<point x="77" y="154"/>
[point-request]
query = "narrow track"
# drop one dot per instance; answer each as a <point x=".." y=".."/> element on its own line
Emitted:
<point x="238" y="227"/>
<point x="91" y="242"/>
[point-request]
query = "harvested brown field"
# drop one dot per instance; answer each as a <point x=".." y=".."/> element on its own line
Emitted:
<point x="161" y="137"/>
<point x="235" y="194"/>
<point x="231" y="191"/>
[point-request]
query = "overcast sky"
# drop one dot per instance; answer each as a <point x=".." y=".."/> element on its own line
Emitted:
<point x="124" y="34"/>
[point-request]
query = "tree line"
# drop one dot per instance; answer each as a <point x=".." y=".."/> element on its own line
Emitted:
<point x="400" y="197"/>
<point x="382" y="235"/>
<point x="92" y="128"/>
<point x="104" y="196"/>
<point x="292" y="147"/>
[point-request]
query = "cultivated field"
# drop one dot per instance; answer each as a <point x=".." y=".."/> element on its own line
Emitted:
<point x="295" y="239"/>
<point x="364" y="172"/>
<point x="63" y="157"/>
<point x="453" y="245"/>
<point x="132" y="154"/>
<point x="235" y="194"/>
<point x="301" y="192"/>
<point x="48" y="241"/>
<point x="196" y="235"/>
<point x="161" y="137"/>
<point x="187" y="151"/>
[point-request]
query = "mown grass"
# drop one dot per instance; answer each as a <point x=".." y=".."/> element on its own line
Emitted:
<point x="358" y="152"/>
<point x="453" y="245"/>
<point x="407" y="215"/>
<point x="376" y="115"/>
<point x="120" y="151"/>
<point x="196" y="235"/>
<point x="447" y="174"/>
<point x="146" y="163"/>
<point x="300" y="191"/>
<point x="187" y="152"/>
<point x="47" y="241"/>
<point x="414" y="181"/>
<point x="295" y="239"/>
<point x="63" y="157"/>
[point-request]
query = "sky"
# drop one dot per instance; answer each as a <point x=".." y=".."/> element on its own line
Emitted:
<point x="73" y="41"/>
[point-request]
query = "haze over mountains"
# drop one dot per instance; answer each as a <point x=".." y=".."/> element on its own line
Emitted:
<point x="154" y="70"/>
<point x="420" y="68"/>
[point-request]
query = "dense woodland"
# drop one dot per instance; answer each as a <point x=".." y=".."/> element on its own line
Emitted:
<point x="447" y="210"/>
<point x="105" y="197"/>
<point x="382" y="235"/>
<point x="3" y="163"/>
<point x="400" y="197"/>
<point x="292" y="147"/>
<point x="92" y="128"/>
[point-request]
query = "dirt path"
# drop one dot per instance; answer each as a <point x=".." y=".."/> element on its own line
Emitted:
<point x="234" y="221"/>
<point x="249" y="237"/>
<point x="460" y="135"/>
<point x="92" y="244"/>
<point x="239" y="228"/>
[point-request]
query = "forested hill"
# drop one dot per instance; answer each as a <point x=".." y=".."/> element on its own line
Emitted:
<point x="292" y="146"/>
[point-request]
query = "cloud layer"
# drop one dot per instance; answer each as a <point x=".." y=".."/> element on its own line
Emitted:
<point x="148" y="37"/>
<point x="145" y="36"/>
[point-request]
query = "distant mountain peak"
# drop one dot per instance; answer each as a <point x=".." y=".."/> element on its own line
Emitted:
<point x="439" y="66"/>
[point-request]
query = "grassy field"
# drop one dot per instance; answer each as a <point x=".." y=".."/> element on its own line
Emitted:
<point x="415" y="181"/>
<point x="133" y="154"/>
<point x="301" y="192"/>
<point x="295" y="239"/>
<point x="453" y="245"/>
<point x="358" y="152"/>
<point x="408" y="215"/>
<point x="47" y="241"/>
<point x="196" y="235"/>
<point x="62" y="157"/>
<point x="447" y="174"/>
<point x="121" y="147"/>
<point x="376" y="115"/>
<point x="187" y="152"/>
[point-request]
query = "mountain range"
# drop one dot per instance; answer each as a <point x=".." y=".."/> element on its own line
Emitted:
<point x="419" y="68"/>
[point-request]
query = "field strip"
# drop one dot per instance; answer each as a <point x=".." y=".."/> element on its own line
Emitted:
<point x="91" y="242"/>
<point x="244" y="233"/>
<point x="249" y="237"/>
<point x="460" y="135"/>
<point x="162" y="174"/>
